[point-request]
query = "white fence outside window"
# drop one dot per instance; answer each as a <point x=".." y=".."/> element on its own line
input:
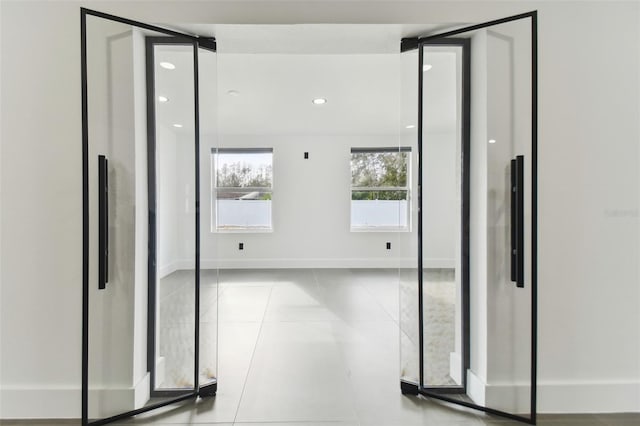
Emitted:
<point x="379" y="214"/>
<point x="244" y="214"/>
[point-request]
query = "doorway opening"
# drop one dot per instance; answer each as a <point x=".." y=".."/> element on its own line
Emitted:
<point x="280" y="211"/>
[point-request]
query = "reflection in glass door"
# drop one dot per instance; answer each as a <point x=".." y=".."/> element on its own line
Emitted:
<point x="476" y="292"/>
<point x="174" y="267"/>
<point x="445" y="210"/>
<point x="120" y="213"/>
<point x="209" y="274"/>
<point x="172" y="150"/>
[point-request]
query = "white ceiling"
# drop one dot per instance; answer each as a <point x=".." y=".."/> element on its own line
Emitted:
<point x="278" y="70"/>
<point x="311" y="38"/>
<point x="276" y="93"/>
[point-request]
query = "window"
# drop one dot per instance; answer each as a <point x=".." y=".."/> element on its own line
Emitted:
<point x="380" y="188"/>
<point x="242" y="188"/>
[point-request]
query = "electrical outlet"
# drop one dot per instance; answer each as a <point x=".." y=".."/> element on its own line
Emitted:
<point x="240" y="246"/>
<point x="388" y="245"/>
<point x="306" y="155"/>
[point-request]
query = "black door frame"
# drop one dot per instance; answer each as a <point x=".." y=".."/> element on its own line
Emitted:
<point x="465" y="182"/>
<point x="440" y="39"/>
<point x="150" y="42"/>
<point x="196" y="42"/>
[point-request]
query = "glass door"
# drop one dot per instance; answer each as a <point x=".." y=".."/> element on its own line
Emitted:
<point x="141" y="268"/>
<point x="176" y="221"/>
<point x="208" y="249"/>
<point x="474" y="341"/>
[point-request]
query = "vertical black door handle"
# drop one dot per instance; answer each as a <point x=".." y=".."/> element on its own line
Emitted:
<point x="517" y="221"/>
<point x="513" y="224"/>
<point x="103" y="222"/>
<point x="520" y="220"/>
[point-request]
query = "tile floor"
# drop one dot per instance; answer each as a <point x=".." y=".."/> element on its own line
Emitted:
<point x="294" y="290"/>
<point x="318" y="348"/>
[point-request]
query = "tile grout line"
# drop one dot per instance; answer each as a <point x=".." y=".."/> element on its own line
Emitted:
<point x="293" y="422"/>
<point x="315" y="280"/>
<point x="253" y="353"/>
<point x="345" y="368"/>
<point x="183" y="286"/>
<point x="373" y="296"/>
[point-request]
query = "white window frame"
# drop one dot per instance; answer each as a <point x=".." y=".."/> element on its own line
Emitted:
<point x="407" y="188"/>
<point x="215" y="190"/>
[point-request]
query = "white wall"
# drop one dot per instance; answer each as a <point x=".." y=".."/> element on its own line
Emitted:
<point x="311" y="199"/>
<point x="589" y="330"/>
<point x="310" y="209"/>
<point x="588" y="208"/>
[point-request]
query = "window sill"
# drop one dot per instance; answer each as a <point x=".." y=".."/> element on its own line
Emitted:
<point x="380" y="229"/>
<point x="243" y="231"/>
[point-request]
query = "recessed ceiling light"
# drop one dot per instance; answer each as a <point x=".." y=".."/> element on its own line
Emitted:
<point x="178" y="126"/>
<point x="427" y="67"/>
<point x="167" y="65"/>
<point x="410" y="126"/>
<point x="233" y="93"/>
<point x="319" y="101"/>
<point x="163" y="99"/>
<point x="492" y="141"/>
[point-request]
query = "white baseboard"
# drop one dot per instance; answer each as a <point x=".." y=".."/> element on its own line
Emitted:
<point x="160" y="371"/>
<point x="40" y="403"/>
<point x="109" y="401"/>
<point x="434" y="263"/>
<point x="174" y="266"/>
<point x="142" y="391"/>
<point x="167" y="269"/>
<point x="455" y="367"/>
<point x="476" y="388"/>
<point x="64" y="402"/>
<point x="589" y="397"/>
<point x="558" y="397"/>
<point x="279" y="263"/>
<point x="510" y="397"/>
